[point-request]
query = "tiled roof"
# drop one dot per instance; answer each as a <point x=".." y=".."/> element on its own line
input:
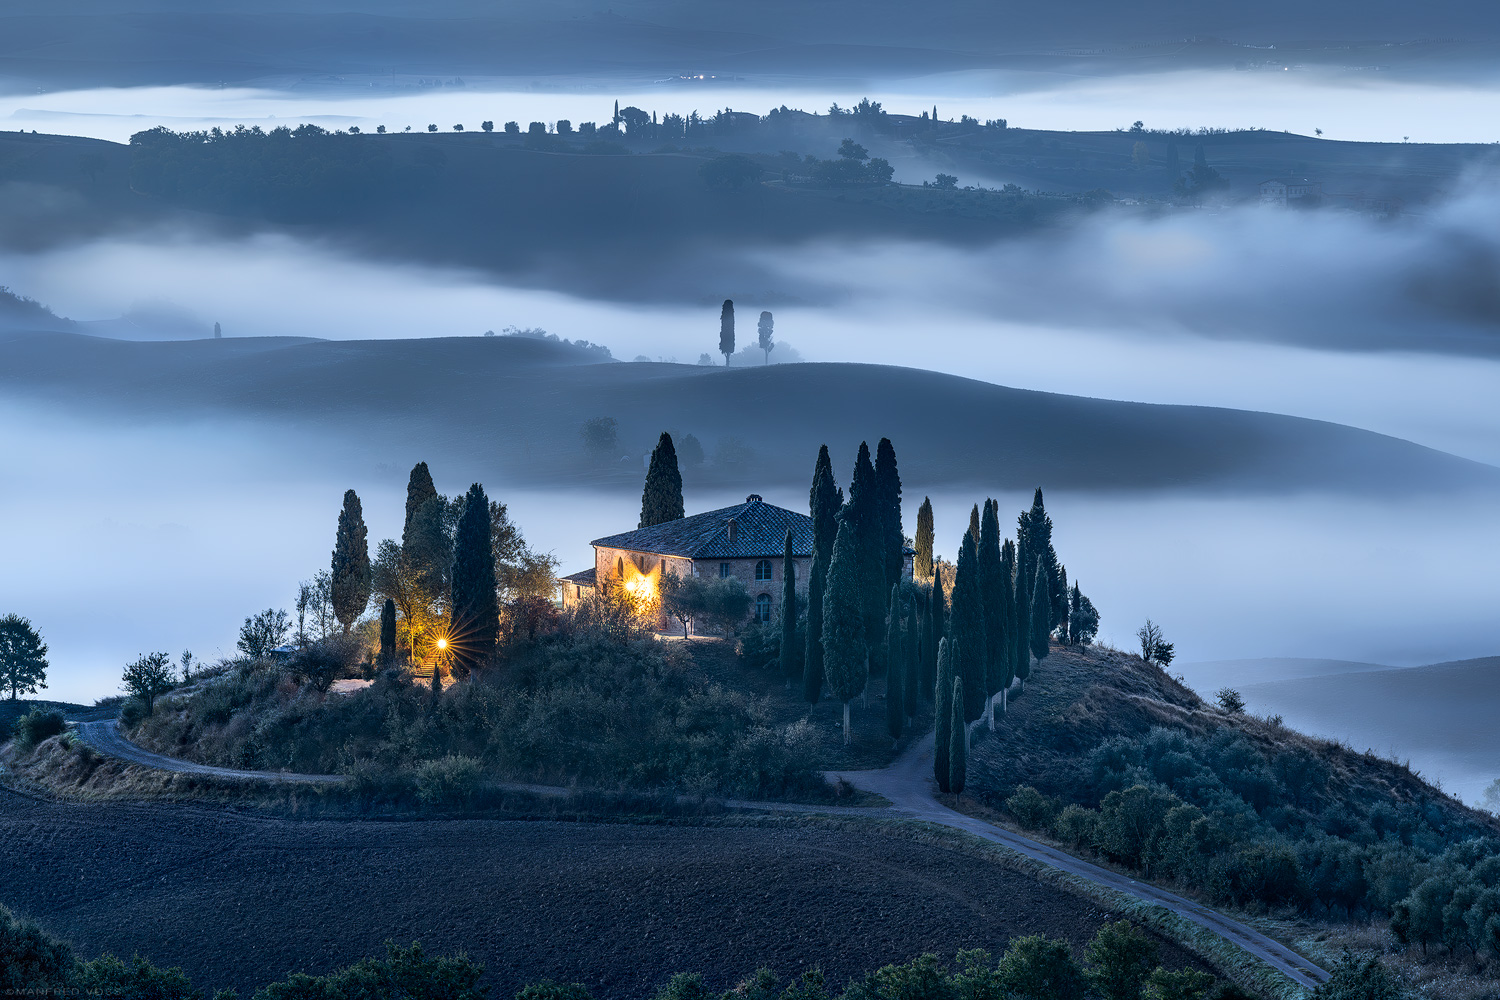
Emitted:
<point x="583" y="578"/>
<point x="759" y="530"/>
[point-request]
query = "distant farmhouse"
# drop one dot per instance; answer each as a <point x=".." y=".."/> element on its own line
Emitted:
<point x="745" y="541"/>
<point x="1284" y="192"/>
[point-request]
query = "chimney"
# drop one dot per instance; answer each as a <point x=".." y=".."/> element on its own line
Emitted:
<point x="753" y="498"/>
<point x="732" y="528"/>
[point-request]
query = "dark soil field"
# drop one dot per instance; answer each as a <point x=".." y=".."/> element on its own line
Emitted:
<point x="238" y="900"/>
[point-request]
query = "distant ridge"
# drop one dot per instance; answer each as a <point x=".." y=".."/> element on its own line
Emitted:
<point x="526" y="401"/>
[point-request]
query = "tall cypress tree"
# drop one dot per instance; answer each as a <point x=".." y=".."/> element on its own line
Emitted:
<point x="791" y="652"/>
<point x="922" y="563"/>
<point x="893" y="638"/>
<point x="475" y="607"/>
<point x="824" y="501"/>
<point x="913" y="670"/>
<point x="1060" y="616"/>
<point x="351" y="563"/>
<point x="958" y="744"/>
<point x="419" y="490"/>
<point x="991" y="596"/>
<point x="845" y="653"/>
<point x="895" y="675"/>
<point x="1008" y="612"/>
<point x="938" y="628"/>
<point x="1035" y="531"/>
<point x="661" y="500"/>
<point x="1041" y="607"/>
<point x="888" y="498"/>
<point x="1021" y="636"/>
<point x="943" y="713"/>
<point x="726" y="330"/>
<point x="388" y="633"/>
<point x="974" y="523"/>
<point x="967" y="626"/>
<point x="865" y="519"/>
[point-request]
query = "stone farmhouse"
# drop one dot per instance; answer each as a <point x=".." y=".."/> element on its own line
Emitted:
<point x="745" y="541"/>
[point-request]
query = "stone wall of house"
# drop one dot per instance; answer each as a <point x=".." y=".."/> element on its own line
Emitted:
<point x="607" y="561"/>
<point x="744" y="571"/>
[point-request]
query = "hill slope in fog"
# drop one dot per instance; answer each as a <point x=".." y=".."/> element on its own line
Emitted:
<point x="516" y="407"/>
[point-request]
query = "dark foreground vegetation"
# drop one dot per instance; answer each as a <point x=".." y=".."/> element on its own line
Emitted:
<point x="1119" y="963"/>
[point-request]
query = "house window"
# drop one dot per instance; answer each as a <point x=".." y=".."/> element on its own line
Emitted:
<point x="763" y="570"/>
<point x="723" y="571"/>
<point x="763" y="608"/>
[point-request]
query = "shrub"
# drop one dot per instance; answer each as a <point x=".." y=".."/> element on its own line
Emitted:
<point x="1077" y="826"/>
<point x="685" y="986"/>
<point x="1039" y="968"/>
<point x="30" y="958"/>
<point x="1179" y="984"/>
<point x="1031" y="808"/>
<point x="1120" y="959"/>
<point x="404" y="972"/>
<point x="131" y="713"/>
<point x="324" y="662"/>
<point x="548" y="990"/>
<point x="36" y="726"/>
<point x="452" y="780"/>
<point x="138" y="980"/>
<point x="1352" y="979"/>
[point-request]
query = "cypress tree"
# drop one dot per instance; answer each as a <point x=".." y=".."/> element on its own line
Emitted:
<point x="419" y="490"/>
<point x="895" y="679"/>
<point x="791" y="660"/>
<point x="824" y="501"/>
<point x="958" y="744"/>
<point x="912" y="672"/>
<point x="893" y="638"/>
<point x="388" y="633"/>
<point x="661" y="500"/>
<point x="938" y="629"/>
<point x="845" y="653"/>
<point x="351" y="563"/>
<point x="475" y="608"/>
<point x="967" y="626"/>
<point x="1022" y="615"/>
<point x="1008" y="611"/>
<point x="974" y="522"/>
<point x="865" y="519"/>
<point x="888" y="498"/>
<point x="1060" y="611"/>
<point x="922" y="563"/>
<point x="992" y="597"/>
<point x="1035" y="530"/>
<point x="726" y="330"/>
<point x="1040" y="606"/>
<point x="943" y="714"/>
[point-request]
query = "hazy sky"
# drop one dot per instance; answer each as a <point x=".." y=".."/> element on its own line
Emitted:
<point x="1350" y="106"/>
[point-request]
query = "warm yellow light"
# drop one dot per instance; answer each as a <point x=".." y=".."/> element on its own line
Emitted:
<point x="442" y="644"/>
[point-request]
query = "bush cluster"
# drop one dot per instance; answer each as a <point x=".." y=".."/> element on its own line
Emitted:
<point x="1251" y="825"/>
<point x="583" y="707"/>
<point x="35" y="726"/>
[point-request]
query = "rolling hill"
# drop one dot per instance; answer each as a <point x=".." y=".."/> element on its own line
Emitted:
<point x="522" y="404"/>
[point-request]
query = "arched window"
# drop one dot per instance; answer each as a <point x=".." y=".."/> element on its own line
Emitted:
<point x="763" y="608"/>
<point x="763" y="570"/>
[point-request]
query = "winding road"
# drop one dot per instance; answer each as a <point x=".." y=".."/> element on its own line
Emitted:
<point x="907" y="784"/>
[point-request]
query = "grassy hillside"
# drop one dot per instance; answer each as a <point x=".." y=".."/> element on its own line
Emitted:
<point x="527" y="401"/>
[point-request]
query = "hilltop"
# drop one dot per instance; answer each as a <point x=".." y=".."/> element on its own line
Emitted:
<point x="526" y="402"/>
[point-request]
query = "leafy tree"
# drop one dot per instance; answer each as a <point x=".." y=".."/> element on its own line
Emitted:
<point x="487" y="126"/>
<point x="1083" y="618"/>
<point x="601" y="437"/>
<point x="149" y="676"/>
<point x="137" y="979"/>
<point x="967" y="627"/>
<point x="474" y="609"/>
<point x="766" y="334"/>
<point x="888" y="498"/>
<point x="388" y="633"/>
<point x="958" y="750"/>
<point x="1040" y="609"/>
<point x="726" y="331"/>
<point x="1154" y="647"/>
<point x="992" y="596"/>
<point x="432" y="127"/>
<point x="824" y="500"/>
<point x="1038" y="968"/>
<point x="1353" y="979"/>
<point x="512" y="128"/>
<point x="845" y="653"/>
<point x="730" y="172"/>
<point x="791" y="659"/>
<point x="661" y="500"/>
<point x="692" y="452"/>
<point x="1230" y="701"/>
<point x="895" y="675"/>
<point x="23" y="657"/>
<point x="945" y="182"/>
<point x="851" y="150"/>
<point x="404" y="972"/>
<point x="1120" y="960"/>
<point x="263" y="632"/>
<point x="351" y="563"/>
<point x="548" y="990"/>
<point x="922" y="563"/>
<point x="32" y="962"/>
<point x="943" y="713"/>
